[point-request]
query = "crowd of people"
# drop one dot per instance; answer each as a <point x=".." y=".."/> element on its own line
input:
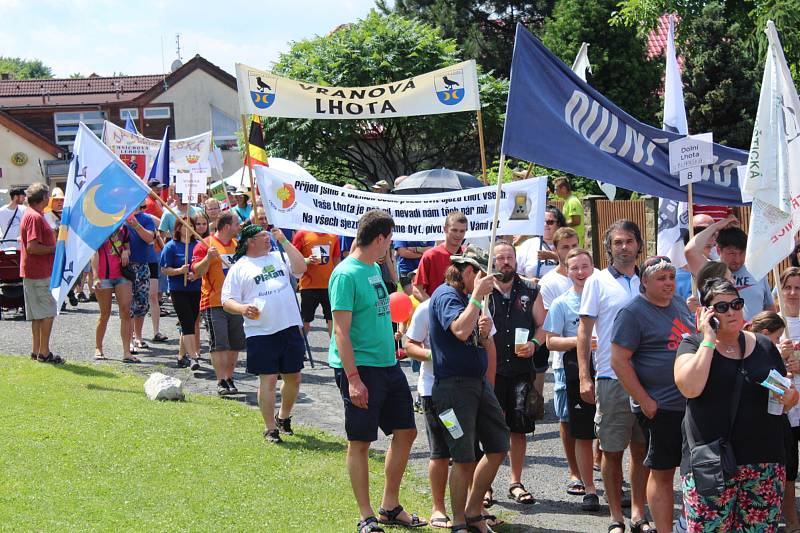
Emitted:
<point x="668" y="362"/>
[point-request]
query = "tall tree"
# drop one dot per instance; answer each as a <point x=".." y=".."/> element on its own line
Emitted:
<point x="620" y="68"/>
<point x="484" y="30"/>
<point x="20" y="69"/>
<point x="375" y="50"/>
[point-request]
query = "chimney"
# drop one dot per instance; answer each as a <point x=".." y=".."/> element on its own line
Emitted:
<point x="5" y="76"/>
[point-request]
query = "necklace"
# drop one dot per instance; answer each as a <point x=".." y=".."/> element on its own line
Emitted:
<point x="727" y="348"/>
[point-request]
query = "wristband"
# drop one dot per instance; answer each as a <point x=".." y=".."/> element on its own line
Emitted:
<point x="430" y="355"/>
<point x="351" y="374"/>
<point x="475" y="302"/>
<point x="708" y="344"/>
<point x="536" y="342"/>
<point x="284" y="242"/>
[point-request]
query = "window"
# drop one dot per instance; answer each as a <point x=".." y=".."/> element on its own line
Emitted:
<point x="224" y="128"/>
<point x="126" y="112"/>
<point x="67" y="125"/>
<point x="156" y="112"/>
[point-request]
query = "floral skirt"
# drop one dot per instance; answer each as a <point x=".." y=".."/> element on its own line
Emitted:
<point x="751" y="501"/>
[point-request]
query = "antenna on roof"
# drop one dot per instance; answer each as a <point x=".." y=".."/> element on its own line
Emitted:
<point x="178" y="45"/>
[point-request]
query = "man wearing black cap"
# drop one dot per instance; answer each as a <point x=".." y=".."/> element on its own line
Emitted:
<point x="462" y="346"/>
<point x="10" y="217"/>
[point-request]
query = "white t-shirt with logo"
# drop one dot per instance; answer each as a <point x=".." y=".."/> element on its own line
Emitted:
<point x="267" y="278"/>
<point x="603" y="296"/>
<point x="10" y="221"/>
<point x="418" y="332"/>
<point x="528" y="264"/>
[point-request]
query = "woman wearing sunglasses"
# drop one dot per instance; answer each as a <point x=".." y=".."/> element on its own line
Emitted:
<point x="720" y="370"/>
<point x="537" y="256"/>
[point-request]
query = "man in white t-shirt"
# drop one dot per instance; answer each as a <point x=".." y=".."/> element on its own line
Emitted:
<point x="258" y="286"/>
<point x="555" y="283"/>
<point x="604" y="294"/>
<point x="10" y="217"/>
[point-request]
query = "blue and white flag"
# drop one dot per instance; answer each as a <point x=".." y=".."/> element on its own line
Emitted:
<point x="129" y="125"/>
<point x="160" y="169"/>
<point x="673" y="216"/>
<point x="101" y="194"/>
<point x="557" y="120"/>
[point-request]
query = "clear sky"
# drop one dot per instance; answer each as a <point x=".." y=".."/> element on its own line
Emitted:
<point x="105" y="36"/>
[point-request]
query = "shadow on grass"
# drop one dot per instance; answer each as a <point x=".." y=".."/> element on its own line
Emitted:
<point x="88" y="371"/>
<point x="313" y="442"/>
<point x="92" y="386"/>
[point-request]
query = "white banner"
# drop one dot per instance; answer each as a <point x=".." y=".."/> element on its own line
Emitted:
<point x="773" y="167"/>
<point x="299" y="203"/>
<point x="446" y="90"/>
<point x="185" y="155"/>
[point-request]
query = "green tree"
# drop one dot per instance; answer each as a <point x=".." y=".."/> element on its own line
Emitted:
<point x="620" y="68"/>
<point x="484" y="30"/>
<point x="721" y="77"/>
<point x="381" y="49"/>
<point x="21" y="69"/>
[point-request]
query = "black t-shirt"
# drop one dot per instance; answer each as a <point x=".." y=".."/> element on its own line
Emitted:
<point x="757" y="436"/>
<point x="510" y="313"/>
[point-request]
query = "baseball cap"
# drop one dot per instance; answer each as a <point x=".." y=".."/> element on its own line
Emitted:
<point x="477" y="257"/>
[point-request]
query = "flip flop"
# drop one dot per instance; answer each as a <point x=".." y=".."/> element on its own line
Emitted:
<point x="131" y="360"/>
<point x="100" y="357"/>
<point x="575" y="487"/>
<point x="439" y="522"/>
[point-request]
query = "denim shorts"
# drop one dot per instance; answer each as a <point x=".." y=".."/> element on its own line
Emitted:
<point x="113" y="282"/>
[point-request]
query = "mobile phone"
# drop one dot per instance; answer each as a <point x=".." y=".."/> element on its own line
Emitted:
<point x="497" y="276"/>
<point x="714" y="323"/>
<point x="269" y="227"/>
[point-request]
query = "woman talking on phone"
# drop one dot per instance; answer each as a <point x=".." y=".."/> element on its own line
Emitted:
<point x="732" y="470"/>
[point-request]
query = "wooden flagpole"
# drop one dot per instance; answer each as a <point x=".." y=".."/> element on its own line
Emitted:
<point x="530" y="169"/>
<point x="496" y="214"/>
<point x="186" y="244"/>
<point x="690" y="199"/>
<point x="482" y="146"/>
<point x="248" y="163"/>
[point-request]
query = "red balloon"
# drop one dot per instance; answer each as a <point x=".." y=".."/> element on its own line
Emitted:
<point x="400" y="307"/>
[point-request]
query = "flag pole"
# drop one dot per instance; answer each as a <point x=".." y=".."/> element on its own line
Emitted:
<point x="180" y="220"/>
<point x="496" y="214"/>
<point x="690" y="200"/>
<point x="777" y="275"/>
<point x="482" y="146"/>
<point x="530" y="169"/>
<point x="249" y="164"/>
<point x="186" y="244"/>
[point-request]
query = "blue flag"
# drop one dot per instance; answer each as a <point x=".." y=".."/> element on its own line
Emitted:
<point x="129" y="125"/>
<point x="557" y="120"/>
<point x="160" y="169"/>
<point x="102" y="192"/>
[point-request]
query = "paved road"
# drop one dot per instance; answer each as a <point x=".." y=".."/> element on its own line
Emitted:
<point x="320" y="406"/>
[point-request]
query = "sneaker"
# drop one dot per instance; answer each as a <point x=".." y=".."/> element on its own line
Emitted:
<point x="273" y="436"/>
<point x="73" y="301"/>
<point x="417" y="406"/>
<point x="195" y="364"/>
<point x="222" y="388"/>
<point x="232" y="387"/>
<point x="82" y="297"/>
<point x="92" y="297"/>
<point x="680" y="525"/>
<point x="184" y="362"/>
<point x="284" y="425"/>
<point x="591" y="503"/>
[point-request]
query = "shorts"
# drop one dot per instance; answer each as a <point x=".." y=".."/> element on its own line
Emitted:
<point x="479" y="415"/>
<point x="615" y="424"/>
<point x="110" y="283"/>
<point x="511" y="393"/>
<point x="437" y="441"/>
<point x="791" y="437"/>
<point x="540" y="359"/>
<point x="39" y="301"/>
<point x="663" y="438"/>
<point x="187" y="307"/>
<point x="154" y="270"/>
<point x="279" y="353"/>
<point x="581" y="414"/>
<point x="225" y="331"/>
<point x="390" y="406"/>
<point x="560" y="395"/>
<point x="310" y="299"/>
<point x="140" y="304"/>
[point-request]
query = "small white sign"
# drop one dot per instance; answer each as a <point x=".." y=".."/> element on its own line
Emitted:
<point x="194" y="181"/>
<point x="189" y="198"/>
<point x="691" y="151"/>
<point x="690" y="175"/>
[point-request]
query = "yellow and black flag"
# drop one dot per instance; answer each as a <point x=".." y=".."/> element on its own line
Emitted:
<point x="256" y="148"/>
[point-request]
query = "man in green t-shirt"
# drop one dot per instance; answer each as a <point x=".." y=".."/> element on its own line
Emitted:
<point x="573" y="209"/>
<point x="373" y="387"/>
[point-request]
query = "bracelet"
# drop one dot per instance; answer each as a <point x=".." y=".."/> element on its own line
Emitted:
<point x="708" y="344"/>
<point x="475" y="302"/>
<point x="351" y="374"/>
<point x="536" y="342"/>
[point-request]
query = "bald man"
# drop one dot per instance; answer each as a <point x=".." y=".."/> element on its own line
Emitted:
<point x="701" y="222"/>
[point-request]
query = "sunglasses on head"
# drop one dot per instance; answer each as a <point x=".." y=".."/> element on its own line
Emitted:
<point x="723" y="307"/>
<point x="549" y="222"/>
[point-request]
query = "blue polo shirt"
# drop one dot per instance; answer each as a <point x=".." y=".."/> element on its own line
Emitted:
<point x="407" y="265"/>
<point x="451" y="356"/>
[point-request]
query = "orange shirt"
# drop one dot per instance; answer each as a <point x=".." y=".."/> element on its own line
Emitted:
<point x="323" y="245"/>
<point x="211" y="288"/>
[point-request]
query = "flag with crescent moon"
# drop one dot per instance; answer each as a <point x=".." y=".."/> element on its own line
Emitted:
<point x="101" y="193"/>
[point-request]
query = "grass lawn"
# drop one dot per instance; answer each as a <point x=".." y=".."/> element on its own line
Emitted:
<point x="83" y="449"/>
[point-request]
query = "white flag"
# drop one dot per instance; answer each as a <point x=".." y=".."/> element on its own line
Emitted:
<point x="581" y="64"/>
<point x="673" y="217"/>
<point x="773" y="167"/>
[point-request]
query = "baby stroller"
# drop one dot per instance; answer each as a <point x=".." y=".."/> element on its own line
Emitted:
<point x="11" y="295"/>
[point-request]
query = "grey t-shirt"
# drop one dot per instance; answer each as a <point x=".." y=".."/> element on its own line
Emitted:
<point x="756" y="293"/>
<point x="654" y="334"/>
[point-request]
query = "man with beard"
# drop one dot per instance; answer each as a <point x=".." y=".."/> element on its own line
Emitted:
<point x="515" y="304"/>
<point x="604" y="294"/>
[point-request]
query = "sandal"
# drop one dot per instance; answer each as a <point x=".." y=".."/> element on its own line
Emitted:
<point x="636" y="527"/>
<point x="131" y="359"/>
<point x="459" y="527"/>
<point x="393" y="521"/>
<point x="524" y="497"/>
<point x="160" y="337"/>
<point x="474" y="520"/>
<point x="489" y="500"/>
<point x="100" y="356"/>
<point x="575" y="487"/>
<point x="50" y="358"/>
<point x="613" y="526"/>
<point x="439" y="522"/>
<point x="34" y="356"/>
<point x="493" y="521"/>
<point x="141" y="345"/>
<point x="369" y="525"/>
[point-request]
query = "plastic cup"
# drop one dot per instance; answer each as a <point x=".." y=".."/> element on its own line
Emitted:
<point x="259" y="303"/>
<point x="520" y="339"/>
<point x="450" y="421"/>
